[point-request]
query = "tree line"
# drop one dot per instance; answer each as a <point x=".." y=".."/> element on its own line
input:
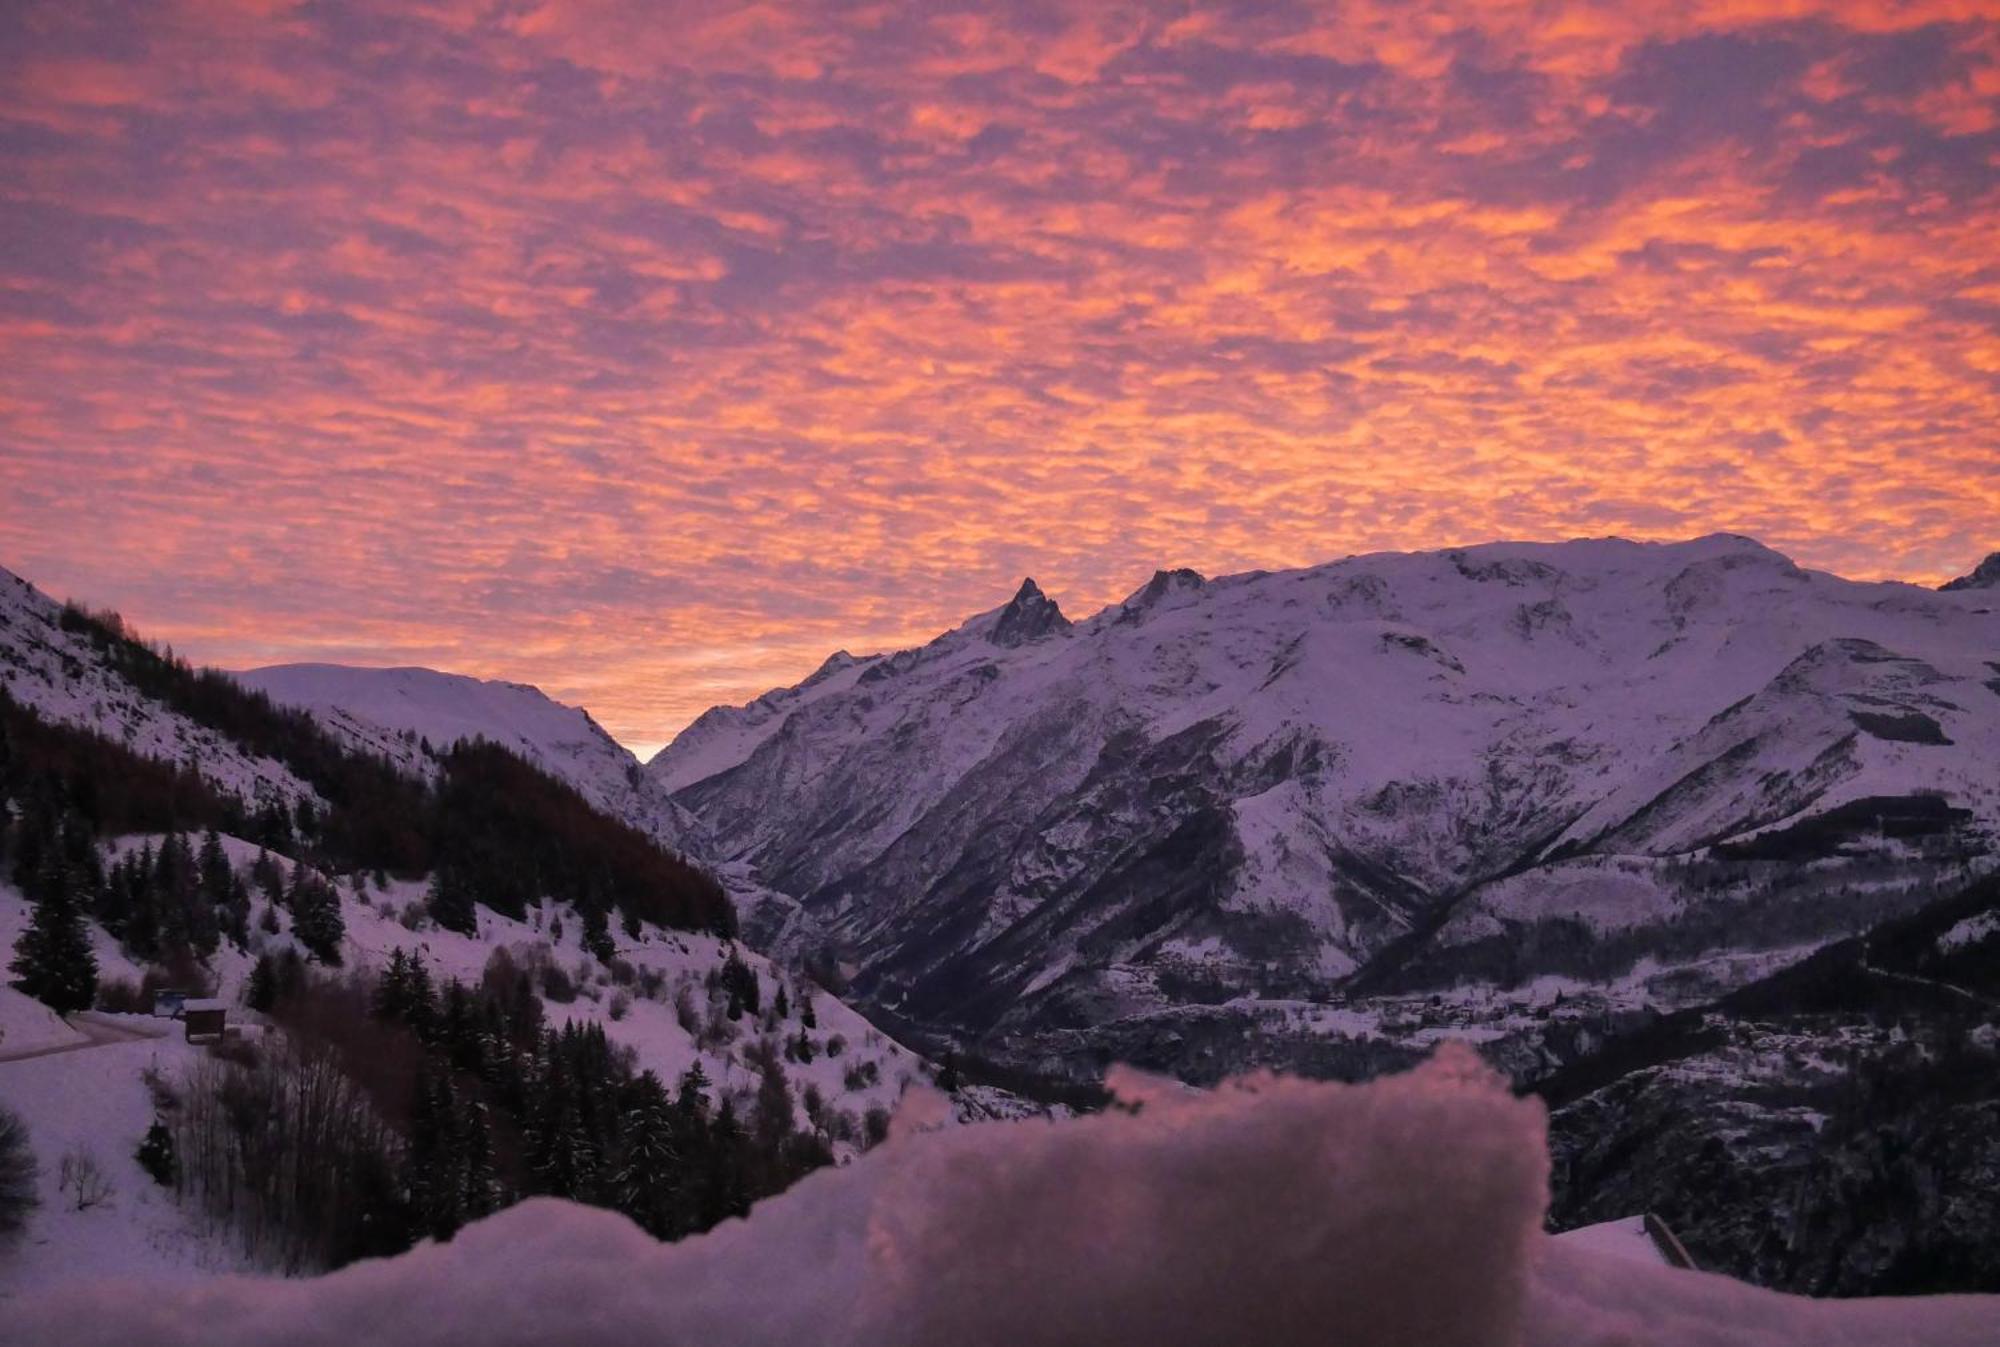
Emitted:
<point x="490" y="828"/>
<point x="393" y="1109"/>
<point x="508" y="830"/>
<point x="170" y="905"/>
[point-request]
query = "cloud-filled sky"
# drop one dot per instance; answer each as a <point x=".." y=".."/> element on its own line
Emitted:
<point x="648" y="350"/>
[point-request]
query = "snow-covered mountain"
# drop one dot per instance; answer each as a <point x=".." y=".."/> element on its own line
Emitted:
<point x="1986" y="575"/>
<point x="402" y="713"/>
<point x="1398" y="771"/>
<point x="55" y="670"/>
<point x="671" y="998"/>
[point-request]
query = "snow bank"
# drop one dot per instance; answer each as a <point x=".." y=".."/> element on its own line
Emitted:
<point x="94" y="1101"/>
<point x="1578" y="1298"/>
<point x="1622" y="1238"/>
<point x="1269" y="1211"/>
<point x="27" y="1026"/>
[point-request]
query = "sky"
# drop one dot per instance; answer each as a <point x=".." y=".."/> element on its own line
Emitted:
<point x="648" y="351"/>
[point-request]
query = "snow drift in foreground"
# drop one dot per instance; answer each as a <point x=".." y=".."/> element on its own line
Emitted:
<point x="1270" y="1211"/>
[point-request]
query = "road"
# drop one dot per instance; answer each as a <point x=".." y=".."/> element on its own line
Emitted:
<point x="1910" y="979"/>
<point x="97" y="1033"/>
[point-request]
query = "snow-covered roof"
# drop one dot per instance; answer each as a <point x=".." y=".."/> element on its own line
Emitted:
<point x="1643" y="1238"/>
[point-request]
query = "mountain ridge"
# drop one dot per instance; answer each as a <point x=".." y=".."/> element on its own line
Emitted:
<point x="1263" y="783"/>
<point x="396" y="711"/>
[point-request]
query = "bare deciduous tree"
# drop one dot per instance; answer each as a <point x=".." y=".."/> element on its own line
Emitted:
<point x="289" y="1151"/>
<point x="82" y="1180"/>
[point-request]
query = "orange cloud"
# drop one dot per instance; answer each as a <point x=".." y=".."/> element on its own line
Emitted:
<point x="650" y="352"/>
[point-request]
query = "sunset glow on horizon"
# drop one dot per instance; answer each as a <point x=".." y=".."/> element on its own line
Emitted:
<point x="649" y="352"/>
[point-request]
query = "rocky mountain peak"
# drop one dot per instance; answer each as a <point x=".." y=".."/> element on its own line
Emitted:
<point x="1986" y="575"/>
<point x="1028" y="616"/>
<point x="1164" y="583"/>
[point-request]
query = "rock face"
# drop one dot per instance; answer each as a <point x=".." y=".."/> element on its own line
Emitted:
<point x="1830" y="1130"/>
<point x="1986" y="575"/>
<point x="1400" y="774"/>
<point x="1029" y="616"/>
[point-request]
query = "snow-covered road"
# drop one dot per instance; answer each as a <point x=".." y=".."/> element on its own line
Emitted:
<point x="97" y="1031"/>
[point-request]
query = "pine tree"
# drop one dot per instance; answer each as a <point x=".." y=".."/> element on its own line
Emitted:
<point x="141" y="933"/>
<point x="775" y="1119"/>
<point x="79" y="850"/>
<point x="53" y="959"/>
<point x="174" y="890"/>
<point x="691" y="1102"/>
<point x="156" y="1155"/>
<point x="482" y="1182"/>
<point x="741" y="985"/>
<point x="116" y="900"/>
<point x="597" y="935"/>
<point x="421" y="1011"/>
<point x="34" y="836"/>
<point x="316" y="919"/>
<point x="270" y="877"/>
<point x="213" y="867"/>
<point x="567" y="1165"/>
<point x="18" y="1194"/>
<point x="646" y="1185"/>
<point x="725" y="1184"/>
<point x="457" y="1033"/>
<point x="436" y="1161"/>
<point x="450" y="901"/>
<point x="223" y="893"/>
<point x="262" y="993"/>
<point x="391" y="1000"/>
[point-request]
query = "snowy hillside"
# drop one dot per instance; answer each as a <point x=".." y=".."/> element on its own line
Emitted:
<point x="395" y="712"/>
<point x="56" y="672"/>
<point x="539" y="899"/>
<point x="1399" y="770"/>
<point x="80" y="1086"/>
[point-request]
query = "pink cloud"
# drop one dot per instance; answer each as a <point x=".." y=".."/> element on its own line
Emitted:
<point x="651" y="352"/>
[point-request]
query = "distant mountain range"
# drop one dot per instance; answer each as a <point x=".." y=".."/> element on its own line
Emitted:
<point x="1642" y="772"/>
<point x="1395" y="773"/>
<point x="1697" y="843"/>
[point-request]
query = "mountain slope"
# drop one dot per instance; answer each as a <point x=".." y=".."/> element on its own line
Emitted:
<point x="1986" y="575"/>
<point x="396" y="712"/>
<point x="329" y="842"/>
<point x="1398" y="770"/>
<point x="1791" y="1132"/>
<point x="50" y="664"/>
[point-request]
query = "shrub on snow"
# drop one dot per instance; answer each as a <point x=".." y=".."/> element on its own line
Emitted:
<point x="17" y="1175"/>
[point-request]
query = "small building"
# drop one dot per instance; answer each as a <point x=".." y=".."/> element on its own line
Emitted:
<point x="205" y="1019"/>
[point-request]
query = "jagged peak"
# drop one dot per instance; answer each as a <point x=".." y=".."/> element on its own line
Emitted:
<point x="1028" y="616"/>
<point x="1165" y="582"/>
<point x="1986" y="575"/>
<point x="833" y="664"/>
